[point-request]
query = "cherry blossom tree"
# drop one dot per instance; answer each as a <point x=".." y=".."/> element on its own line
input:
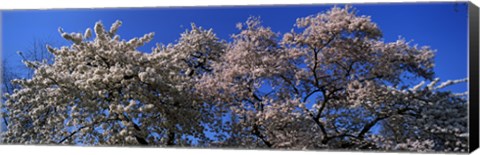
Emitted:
<point x="330" y="83"/>
<point x="105" y="92"/>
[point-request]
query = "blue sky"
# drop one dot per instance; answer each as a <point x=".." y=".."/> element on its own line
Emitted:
<point x="443" y="26"/>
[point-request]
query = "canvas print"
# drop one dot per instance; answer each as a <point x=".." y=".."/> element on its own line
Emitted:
<point x="355" y="77"/>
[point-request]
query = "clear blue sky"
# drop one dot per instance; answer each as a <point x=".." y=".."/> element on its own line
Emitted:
<point x="443" y="26"/>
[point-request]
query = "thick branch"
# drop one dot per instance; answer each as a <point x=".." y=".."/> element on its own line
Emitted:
<point x="291" y="84"/>
<point x="72" y="134"/>
<point x="368" y="126"/>
<point x="310" y="94"/>
<point x="76" y="131"/>
<point x="256" y="132"/>
<point x="171" y="138"/>
<point x="5" y="121"/>
<point x="140" y="140"/>
<point x="315" y="56"/>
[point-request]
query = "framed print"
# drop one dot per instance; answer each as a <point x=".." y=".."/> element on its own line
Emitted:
<point x="383" y="77"/>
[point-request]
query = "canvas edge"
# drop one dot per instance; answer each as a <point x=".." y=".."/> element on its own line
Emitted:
<point x="473" y="25"/>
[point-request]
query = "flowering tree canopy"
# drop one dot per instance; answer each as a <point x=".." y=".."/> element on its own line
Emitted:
<point x="330" y="83"/>
<point x="105" y="92"/>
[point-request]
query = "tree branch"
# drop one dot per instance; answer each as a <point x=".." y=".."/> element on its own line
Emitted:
<point x="256" y="132"/>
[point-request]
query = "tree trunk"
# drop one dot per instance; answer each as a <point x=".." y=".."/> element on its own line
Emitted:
<point x="171" y="138"/>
